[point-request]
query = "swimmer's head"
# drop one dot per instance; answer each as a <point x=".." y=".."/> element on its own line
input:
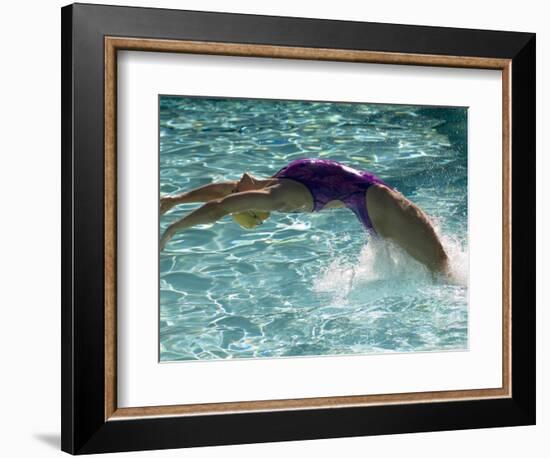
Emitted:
<point x="250" y="219"/>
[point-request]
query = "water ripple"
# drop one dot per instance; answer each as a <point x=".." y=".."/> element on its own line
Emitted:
<point x="309" y="284"/>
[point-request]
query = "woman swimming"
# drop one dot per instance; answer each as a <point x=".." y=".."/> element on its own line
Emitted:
<point x="312" y="185"/>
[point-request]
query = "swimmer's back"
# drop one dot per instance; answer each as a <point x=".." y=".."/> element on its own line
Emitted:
<point x="329" y="180"/>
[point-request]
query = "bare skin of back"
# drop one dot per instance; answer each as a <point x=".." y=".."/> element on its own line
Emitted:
<point x="393" y="216"/>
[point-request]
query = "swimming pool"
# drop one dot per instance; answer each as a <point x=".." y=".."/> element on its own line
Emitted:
<point x="310" y="284"/>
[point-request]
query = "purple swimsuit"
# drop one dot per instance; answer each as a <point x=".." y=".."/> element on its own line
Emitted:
<point x="329" y="180"/>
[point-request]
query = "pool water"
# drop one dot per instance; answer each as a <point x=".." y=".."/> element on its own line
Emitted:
<point x="310" y="284"/>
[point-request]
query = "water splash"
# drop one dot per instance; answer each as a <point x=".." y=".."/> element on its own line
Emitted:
<point x="382" y="268"/>
<point x="459" y="260"/>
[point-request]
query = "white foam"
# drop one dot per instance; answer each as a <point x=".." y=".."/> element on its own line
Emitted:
<point x="383" y="263"/>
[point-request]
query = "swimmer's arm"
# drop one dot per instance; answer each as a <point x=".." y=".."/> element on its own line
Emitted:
<point x="264" y="200"/>
<point x="400" y="220"/>
<point x="201" y="194"/>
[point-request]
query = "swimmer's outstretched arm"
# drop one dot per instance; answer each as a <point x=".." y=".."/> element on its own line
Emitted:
<point x="201" y="194"/>
<point x="263" y="200"/>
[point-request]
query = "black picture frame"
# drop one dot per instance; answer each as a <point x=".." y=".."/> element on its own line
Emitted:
<point x="84" y="427"/>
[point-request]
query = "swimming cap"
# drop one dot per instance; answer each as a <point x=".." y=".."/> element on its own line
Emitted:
<point x="250" y="219"/>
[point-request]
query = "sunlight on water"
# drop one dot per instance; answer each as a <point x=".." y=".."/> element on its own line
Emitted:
<point x="310" y="284"/>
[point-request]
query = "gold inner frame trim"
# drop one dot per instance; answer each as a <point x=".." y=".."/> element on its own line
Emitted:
<point x="112" y="45"/>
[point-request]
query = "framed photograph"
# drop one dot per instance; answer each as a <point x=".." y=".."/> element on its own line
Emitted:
<point x="284" y="228"/>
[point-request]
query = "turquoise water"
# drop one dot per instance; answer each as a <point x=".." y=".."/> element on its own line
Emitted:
<point x="310" y="284"/>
